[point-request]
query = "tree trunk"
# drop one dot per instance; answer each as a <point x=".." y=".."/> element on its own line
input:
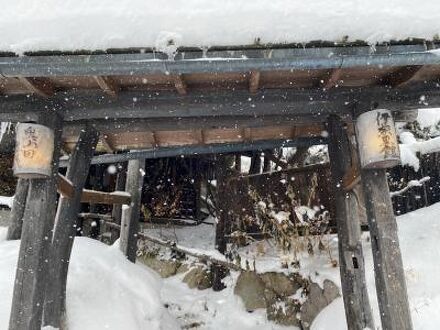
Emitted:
<point x="65" y="227"/>
<point x="351" y="260"/>
<point x="18" y="207"/>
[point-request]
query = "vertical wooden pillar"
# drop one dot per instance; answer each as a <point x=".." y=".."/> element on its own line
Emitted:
<point x="117" y="208"/>
<point x="65" y="227"/>
<point x="130" y="215"/>
<point x="255" y="167"/>
<point x="238" y="163"/>
<point x="388" y="267"/>
<point x="31" y="276"/>
<point x="198" y="189"/>
<point x="222" y="220"/>
<point x="97" y="179"/>
<point x="351" y="260"/>
<point x="18" y="207"/>
<point x="266" y="163"/>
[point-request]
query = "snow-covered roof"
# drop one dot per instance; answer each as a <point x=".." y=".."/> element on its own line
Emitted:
<point x="69" y="25"/>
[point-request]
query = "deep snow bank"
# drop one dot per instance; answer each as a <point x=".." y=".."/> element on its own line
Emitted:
<point x="27" y="25"/>
<point x="104" y="291"/>
<point x="419" y="233"/>
<point x="107" y="292"/>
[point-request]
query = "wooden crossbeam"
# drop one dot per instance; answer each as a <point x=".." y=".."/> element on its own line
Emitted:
<point x="180" y="85"/>
<point x="66" y="189"/>
<point x="154" y="139"/>
<point x="40" y="86"/>
<point x="332" y="79"/>
<point x="107" y="84"/>
<point x="401" y="76"/>
<point x="106" y="144"/>
<point x="246" y="134"/>
<point x="351" y="178"/>
<point x="64" y="148"/>
<point x="277" y="161"/>
<point x="199" y="136"/>
<point x="254" y="81"/>
<point x="99" y="197"/>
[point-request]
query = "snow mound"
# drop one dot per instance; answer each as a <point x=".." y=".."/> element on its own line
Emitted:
<point x="418" y="236"/>
<point x="104" y="291"/>
<point x="28" y="25"/>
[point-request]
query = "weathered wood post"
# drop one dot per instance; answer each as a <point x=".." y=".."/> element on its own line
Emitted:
<point x="351" y="260"/>
<point x="218" y="271"/>
<point x="255" y="167"/>
<point x="93" y="229"/>
<point x="388" y="266"/>
<point x="266" y="162"/>
<point x="31" y="276"/>
<point x="18" y="207"/>
<point x="378" y="150"/>
<point x="238" y="163"/>
<point x="198" y="189"/>
<point x="130" y="215"/>
<point x="117" y="208"/>
<point x="65" y="227"/>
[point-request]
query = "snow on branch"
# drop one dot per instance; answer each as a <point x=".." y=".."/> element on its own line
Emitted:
<point x="6" y="201"/>
<point x="409" y="151"/>
<point x="211" y="256"/>
<point x="412" y="183"/>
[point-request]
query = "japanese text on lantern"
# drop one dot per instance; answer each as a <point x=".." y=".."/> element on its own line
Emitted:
<point x="31" y="142"/>
<point x="386" y="133"/>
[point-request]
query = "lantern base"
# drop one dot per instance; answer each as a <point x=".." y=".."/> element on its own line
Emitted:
<point x="31" y="173"/>
<point x="388" y="163"/>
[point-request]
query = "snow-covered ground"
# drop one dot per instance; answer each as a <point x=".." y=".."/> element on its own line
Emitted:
<point x="27" y="25"/>
<point x="418" y="234"/>
<point x="107" y="292"/>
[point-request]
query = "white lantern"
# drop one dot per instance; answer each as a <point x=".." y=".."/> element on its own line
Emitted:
<point x="376" y="135"/>
<point x="34" y="147"/>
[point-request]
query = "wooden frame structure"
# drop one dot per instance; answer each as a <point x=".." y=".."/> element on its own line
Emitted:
<point x="145" y="105"/>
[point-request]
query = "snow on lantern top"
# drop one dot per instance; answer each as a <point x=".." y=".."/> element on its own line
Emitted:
<point x="33" y="151"/>
<point x="376" y="133"/>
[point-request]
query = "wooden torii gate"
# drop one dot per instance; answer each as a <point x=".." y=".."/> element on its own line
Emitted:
<point x="109" y="108"/>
